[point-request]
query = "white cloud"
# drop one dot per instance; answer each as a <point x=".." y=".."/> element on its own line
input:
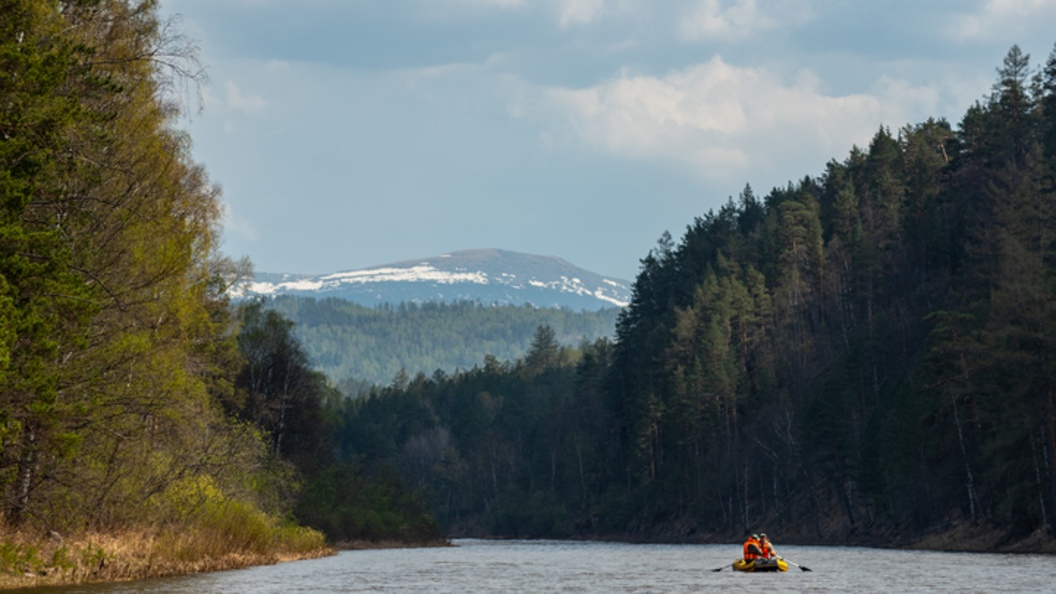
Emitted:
<point x="243" y="102"/>
<point x="580" y="11"/>
<point x="1000" y="17"/>
<point x="725" y="120"/>
<point x="737" y="20"/>
<point x="567" y="12"/>
<point x="233" y="98"/>
<point x="209" y="100"/>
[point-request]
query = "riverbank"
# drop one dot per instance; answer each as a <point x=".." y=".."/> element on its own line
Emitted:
<point x="367" y="545"/>
<point x="33" y="559"/>
<point x="956" y="537"/>
<point x="986" y="540"/>
<point x="38" y="560"/>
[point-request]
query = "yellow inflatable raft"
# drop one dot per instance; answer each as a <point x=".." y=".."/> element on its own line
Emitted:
<point x="772" y="564"/>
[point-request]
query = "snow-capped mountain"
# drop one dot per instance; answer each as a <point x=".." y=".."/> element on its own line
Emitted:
<point x="487" y="275"/>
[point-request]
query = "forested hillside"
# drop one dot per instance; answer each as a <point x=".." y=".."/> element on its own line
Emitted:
<point x="118" y="350"/>
<point x="373" y="344"/>
<point x="862" y="356"/>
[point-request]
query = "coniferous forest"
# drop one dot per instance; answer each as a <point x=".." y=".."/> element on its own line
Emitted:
<point x="371" y="345"/>
<point x="867" y="356"/>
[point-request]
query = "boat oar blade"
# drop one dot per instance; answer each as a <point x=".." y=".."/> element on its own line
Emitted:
<point x="801" y="567"/>
<point x="723" y="567"/>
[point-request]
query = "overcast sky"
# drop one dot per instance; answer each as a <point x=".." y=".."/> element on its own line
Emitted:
<point x="350" y="133"/>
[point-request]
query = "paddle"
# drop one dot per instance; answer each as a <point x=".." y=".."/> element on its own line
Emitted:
<point x="801" y="567"/>
<point x="723" y="567"/>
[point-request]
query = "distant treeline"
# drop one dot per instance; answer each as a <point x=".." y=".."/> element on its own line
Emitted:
<point x="373" y="344"/>
<point x="868" y="355"/>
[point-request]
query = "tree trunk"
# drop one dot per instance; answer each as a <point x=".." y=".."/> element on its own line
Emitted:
<point x="27" y="466"/>
<point x="1049" y="448"/>
<point x="1040" y="484"/>
<point x="969" y="478"/>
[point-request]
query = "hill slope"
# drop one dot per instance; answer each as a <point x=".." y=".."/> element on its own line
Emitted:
<point x="347" y="340"/>
<point x="485" y="275"/>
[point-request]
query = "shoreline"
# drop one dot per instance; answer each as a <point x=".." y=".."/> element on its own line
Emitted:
<point x="34" y="560"/>
<point x="370" y="545"/>
<point x="961" y="538"/>
<point x="121" y="558"/>
<point x="124" y="571"/>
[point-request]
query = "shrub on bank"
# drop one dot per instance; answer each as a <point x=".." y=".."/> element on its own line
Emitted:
<point x="197" y="529"/>
<point x="237" y="528"/>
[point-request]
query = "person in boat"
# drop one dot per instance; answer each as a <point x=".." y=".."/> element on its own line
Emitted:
<point x="766" y="547"/>
<point x="752" y="550"/>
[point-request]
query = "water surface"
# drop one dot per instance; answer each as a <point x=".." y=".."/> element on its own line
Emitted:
<point x="592" y="567"/>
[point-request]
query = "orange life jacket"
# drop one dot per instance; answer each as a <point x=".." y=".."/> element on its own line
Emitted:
<point x="752" y="550"/>
<point x="767" y="548"/>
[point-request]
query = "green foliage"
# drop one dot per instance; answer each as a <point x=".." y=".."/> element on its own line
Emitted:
<point x="348" y="506"/>
<point x="277" y="391"/>
<point x="45" y="305"/>
<point x="116" y="348"/>
<point x="225" y="526"/>
<point x="346" y="340"/>
<point x="236" y="525"/>
<point x="18" y="557"/>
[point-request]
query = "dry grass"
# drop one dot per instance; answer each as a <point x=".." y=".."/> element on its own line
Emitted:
<point x="28" y="560"/>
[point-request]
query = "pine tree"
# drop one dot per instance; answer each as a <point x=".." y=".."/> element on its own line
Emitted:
<point x="1047" y="103"/>
<point x="545" y="350"/>
<point x="1013" y="105"/>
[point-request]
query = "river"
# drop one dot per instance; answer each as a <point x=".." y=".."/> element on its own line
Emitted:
<point x="594" y="567"/>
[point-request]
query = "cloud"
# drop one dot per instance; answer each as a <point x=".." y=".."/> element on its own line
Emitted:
<point x="567" y="12"/>
<point x="233" y="98"/>
<point x="723" y="20"/>
<point x="243" y="102"/>
<point x="725" y="120"/>
<point x="580" y="11"/>
<point x="997" y="18"/>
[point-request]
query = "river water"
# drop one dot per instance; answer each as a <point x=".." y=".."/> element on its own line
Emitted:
<point x="592" y="567"/>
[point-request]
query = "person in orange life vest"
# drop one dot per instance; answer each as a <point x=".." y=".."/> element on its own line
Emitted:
<point x="766" y="547"/>
<point x="751" y="548"/>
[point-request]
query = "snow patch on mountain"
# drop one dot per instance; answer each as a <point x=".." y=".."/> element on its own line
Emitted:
<point x="490" y="276"/>
<point x="416" y="274"/>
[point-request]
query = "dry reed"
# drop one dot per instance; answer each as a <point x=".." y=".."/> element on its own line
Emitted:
<point x="214" y="544"/>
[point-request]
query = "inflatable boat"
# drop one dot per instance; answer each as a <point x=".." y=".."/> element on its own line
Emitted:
<point x="772" y="564"/>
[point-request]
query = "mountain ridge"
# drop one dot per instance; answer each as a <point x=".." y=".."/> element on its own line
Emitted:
<point x="488" y="275"/>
